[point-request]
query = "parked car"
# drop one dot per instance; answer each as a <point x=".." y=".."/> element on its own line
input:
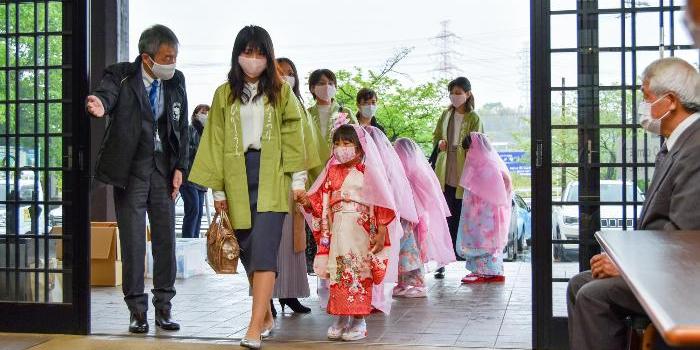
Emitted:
<point x="520" y="231"/>
<point x="28" y="191"/>
<point x="565" y="218"/>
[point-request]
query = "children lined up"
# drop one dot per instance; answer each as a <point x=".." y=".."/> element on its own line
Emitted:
<point x="376" y="211"/>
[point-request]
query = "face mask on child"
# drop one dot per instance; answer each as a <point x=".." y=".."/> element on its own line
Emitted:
<point x="344" y="154"/>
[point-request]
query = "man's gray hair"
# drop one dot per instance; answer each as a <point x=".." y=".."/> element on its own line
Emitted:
<point x="674" y="75"/>
<point x="152" y="38"/>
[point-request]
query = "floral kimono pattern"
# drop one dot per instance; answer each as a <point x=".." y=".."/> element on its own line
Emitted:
<point x="480" y="223"/>
<point x="342" y="226"/>
<point x="410" y="260"/>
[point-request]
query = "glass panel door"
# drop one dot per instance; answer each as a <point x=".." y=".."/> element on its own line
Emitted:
<point x="43" y="222"/>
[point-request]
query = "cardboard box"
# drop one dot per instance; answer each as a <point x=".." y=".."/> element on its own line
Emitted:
<point x="190" y="257"/>
<point x="105" y="254"/>
<point x="58" y="231"/>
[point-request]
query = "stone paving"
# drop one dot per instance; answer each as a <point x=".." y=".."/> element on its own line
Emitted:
<point x="475" y="316"/>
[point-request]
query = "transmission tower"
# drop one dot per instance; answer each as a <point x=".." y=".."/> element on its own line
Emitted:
<point x="446" y="41"/>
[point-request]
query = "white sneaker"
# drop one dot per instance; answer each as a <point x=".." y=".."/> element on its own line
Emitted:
<point x="357" y="331"/>
<point x="336" y="330"/>
<point x="415" y="292"/>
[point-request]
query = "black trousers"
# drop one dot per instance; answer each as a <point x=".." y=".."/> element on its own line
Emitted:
<point x="455" y="205"/>
<point x="150" y="196"/>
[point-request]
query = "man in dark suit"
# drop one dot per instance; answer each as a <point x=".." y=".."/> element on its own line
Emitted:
<point x="144" y="156"/>
<point x="599" y="299"/>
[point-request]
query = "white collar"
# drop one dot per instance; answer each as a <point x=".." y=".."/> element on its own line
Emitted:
<point x="682" y="127"/>
<point x="146" y="78"/>
<point x="252" y="86"/>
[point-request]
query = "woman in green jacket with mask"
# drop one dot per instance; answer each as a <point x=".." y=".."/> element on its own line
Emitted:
<point x="323" y="86"/>
<point x="252" y="151"/>
<point x="456" y="123"/>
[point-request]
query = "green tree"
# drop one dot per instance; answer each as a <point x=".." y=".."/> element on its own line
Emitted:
<point x="404" y="111"/>
<point x="35" y="60"/>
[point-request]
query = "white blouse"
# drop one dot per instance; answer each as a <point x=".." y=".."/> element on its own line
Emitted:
<point x="252" y="122"/>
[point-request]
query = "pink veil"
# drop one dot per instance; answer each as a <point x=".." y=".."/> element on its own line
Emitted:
<point x="486" y="176"/>
<point x="396" y="174"/>
<point x="432" y="233"/>
<point x="376" y="191"/>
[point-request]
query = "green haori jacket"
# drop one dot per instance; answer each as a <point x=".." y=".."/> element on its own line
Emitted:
<point x="287" y="147"/>
<point x="325" y="142"/>
<point x="470" y="123"/>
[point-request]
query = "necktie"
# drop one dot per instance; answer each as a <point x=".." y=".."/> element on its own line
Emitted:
<point x="153" y="97"/>
<point x="662" y="155"/>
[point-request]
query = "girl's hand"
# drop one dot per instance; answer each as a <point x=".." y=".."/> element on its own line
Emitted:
<point x="300" y="196"/>
<point x="442" y="144"/>
<point x="377" y="242"/>
<point x="220" y="206"/>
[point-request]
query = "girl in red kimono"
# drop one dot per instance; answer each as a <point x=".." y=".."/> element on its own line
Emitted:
<point x="350" y="209"/>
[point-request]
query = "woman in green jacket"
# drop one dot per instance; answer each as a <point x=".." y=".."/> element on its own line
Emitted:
<point x="252" y="151"/>
<point x="323" y="86"/>
<point x="454" y="125"/>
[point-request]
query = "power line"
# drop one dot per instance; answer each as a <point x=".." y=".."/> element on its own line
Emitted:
<point x="446" y="39"/>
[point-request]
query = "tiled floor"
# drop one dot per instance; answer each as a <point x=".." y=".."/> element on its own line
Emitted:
<point x="474" y="316"/>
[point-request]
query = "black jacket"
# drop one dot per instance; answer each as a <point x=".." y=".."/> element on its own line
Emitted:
<point x="195" y="131"/>
<point x="125" y="101"/>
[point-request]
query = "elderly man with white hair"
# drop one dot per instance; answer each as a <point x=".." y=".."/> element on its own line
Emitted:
<point x="599" y="300"/>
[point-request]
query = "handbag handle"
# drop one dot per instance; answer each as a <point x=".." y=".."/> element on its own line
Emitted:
<point x="225" y="219"/>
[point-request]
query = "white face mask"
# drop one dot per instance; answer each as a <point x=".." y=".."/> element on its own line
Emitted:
<point x="252" y="67"/>
<point x="325" y="92"/>
<point x="202" y="118"/>
<point x="368" y="111"/>
<point x="162" y="71"/>
<point x="648" y="122"/>
<point x="458" y="100"/>
<point x="290" y="80"/>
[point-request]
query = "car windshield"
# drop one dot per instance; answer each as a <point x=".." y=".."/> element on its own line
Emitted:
<point x="608" y="193"/>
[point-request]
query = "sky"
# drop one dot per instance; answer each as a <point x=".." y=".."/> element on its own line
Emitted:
<point x="489" y="48"/>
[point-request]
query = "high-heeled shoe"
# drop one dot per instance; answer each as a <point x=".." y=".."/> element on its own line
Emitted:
<point x="267" y="332"/>
<point x="273" y="310"/>
<point x="295" y="305"/>
<point x="251" y="344"/>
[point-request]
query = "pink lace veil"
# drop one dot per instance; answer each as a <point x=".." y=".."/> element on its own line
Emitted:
<point x="432" y="232"/>
<point x="485" y="174"/>
<point x="396" y="174"/>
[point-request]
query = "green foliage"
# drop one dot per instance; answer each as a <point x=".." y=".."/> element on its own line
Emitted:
<point x="403" y="111"/>
<point x="36" y="59"/>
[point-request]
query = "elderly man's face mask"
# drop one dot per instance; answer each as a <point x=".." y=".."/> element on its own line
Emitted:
<point x="647" y="120"/>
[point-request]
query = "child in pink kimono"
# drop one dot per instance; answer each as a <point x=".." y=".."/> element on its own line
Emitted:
<point x="429" y="240"/>
<point x="350" y="210"/>
<point x="409" y="272"/>
<point x="485" y="217"/>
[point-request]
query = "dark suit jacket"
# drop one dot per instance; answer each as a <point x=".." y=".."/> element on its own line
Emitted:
<point x="673" y="199"/>
<point x="125" y="101"/>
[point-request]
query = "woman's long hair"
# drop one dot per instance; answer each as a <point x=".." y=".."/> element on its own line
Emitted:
<point x="270" y="82"/>
<point x="466" y="85"/>
<point x="295" y="88"/>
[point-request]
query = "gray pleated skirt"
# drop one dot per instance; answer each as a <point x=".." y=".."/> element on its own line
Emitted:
<point x="292" y="280"/>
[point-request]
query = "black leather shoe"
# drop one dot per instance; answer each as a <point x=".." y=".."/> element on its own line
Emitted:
<point x="440" y="273"/>
<point x="138" y="323"/>
<point x="165" y="321"/>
